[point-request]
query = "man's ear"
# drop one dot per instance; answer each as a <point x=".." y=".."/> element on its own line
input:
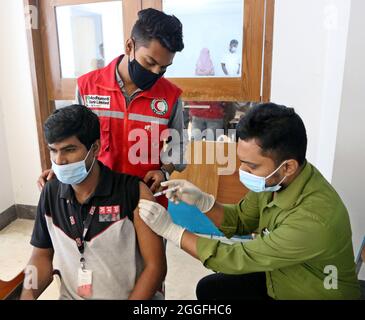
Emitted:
<point x="97" y="147"/>
<point x="129" y="47"/>
<point x="291" y="167"/>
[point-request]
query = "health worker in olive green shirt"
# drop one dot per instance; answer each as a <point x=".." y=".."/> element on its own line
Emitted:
<point x="303" y="249"/>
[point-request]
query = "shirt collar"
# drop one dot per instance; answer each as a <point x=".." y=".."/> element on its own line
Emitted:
<point x="292" y="194"/>
<point x="103" y="189"/>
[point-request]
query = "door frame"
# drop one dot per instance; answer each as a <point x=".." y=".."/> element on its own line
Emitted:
<point x="47" y="88"/>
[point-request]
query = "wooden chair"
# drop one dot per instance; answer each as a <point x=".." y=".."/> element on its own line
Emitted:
<point x="11" y="290"/>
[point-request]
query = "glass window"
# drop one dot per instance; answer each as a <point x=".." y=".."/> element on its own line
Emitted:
<point x="89" y="36"/>
<point x="59" y="104"/>
<point x="213" y="35"/>
<point x="213" y="120"/>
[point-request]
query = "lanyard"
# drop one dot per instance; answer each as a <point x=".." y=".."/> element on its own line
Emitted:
<point x="80" y="239"/>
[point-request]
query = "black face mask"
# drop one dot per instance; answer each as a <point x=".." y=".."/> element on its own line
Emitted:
<point x="142" y="78"/>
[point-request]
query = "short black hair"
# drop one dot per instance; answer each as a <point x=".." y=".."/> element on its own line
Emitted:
<point x="153" y="24"/>
<point x="233" y="42"/>
<point x="277" y="129"/>
<point x="75" y="120"/>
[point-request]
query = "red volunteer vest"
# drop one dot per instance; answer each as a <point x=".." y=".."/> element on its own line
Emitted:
<point x="131" y="137"/>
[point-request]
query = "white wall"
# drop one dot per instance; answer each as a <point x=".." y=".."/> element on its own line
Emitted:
<point x="18" y="134"/>
<point x="308" y="60"/>
<point x="318" y="68"/>
<point x="6" y="184"/>
<point x="349" y="170"/>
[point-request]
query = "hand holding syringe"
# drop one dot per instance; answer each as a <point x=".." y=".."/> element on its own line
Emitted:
<point x="165" y="191"/>
<point x="182" y="190"/>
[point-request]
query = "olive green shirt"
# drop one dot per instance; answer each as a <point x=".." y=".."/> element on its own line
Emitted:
<point x="304" y="240"/>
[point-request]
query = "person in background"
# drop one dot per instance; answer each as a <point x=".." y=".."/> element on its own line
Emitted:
<point x="131" y="95"/>
<point x="87" y="227"/>
<point x="231" y="61"/>
<point x="204" y="65"/>
<point x="99" y="61"/>
<point x="207" y="117"/>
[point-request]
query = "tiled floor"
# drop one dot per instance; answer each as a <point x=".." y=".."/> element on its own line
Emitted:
<point x="183" y="271"/>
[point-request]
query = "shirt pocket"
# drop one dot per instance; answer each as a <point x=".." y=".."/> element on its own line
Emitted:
<point x="105" y="133"/>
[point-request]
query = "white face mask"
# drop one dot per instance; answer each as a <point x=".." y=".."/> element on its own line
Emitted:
<point x="233" y="49"/>
<point x="258" y="184"/>
<point x="73" y="173"/>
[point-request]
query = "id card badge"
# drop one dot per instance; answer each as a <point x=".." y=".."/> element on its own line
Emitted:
<point x="85" y="283"/>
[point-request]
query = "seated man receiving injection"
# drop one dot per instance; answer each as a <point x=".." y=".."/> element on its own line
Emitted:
<point x="87" y="228"/>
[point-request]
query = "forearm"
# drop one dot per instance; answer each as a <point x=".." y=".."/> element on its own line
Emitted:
<point x="148" y="283"/>
<point x="189" y="243"/>
<point x="216" y="214"/>
<point x="224" y="69"/>
<point x="38" y="279"/>
<point x="176" y="161"/>
<point x="170" y="168"/>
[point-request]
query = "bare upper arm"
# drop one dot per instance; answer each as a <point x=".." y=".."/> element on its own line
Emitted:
<point x="150" y="244"/>
<point x="42" y="253"/>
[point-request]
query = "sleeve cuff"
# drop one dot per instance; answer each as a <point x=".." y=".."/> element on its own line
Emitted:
<point x="230" y="220"/>
<point x="40" y="245"/>
<point x="206" y="248"/>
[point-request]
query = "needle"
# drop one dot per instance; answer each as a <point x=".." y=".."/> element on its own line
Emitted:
<point x="165" y="191"/>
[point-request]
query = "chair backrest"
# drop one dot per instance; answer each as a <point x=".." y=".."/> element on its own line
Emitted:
<point x="11" y="290"/>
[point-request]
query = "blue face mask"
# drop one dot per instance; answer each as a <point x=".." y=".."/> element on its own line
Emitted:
<point x="73" y="173"/>
<point x="258" y="184"/>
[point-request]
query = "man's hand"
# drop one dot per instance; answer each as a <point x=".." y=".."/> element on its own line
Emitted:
<point x="157" y="177"/>
<point x="45" y="176"/>
<point x="190" y="194"/>
<point x="159" y="220"/>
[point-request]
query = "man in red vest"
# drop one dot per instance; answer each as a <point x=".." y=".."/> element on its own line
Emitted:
<point x="136" y="105"/>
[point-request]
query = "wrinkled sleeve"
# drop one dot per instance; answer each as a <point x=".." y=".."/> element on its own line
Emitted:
<point x="40" y="236"/>
<point x="242" y="218"/>
<point x="298" y="239"/>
